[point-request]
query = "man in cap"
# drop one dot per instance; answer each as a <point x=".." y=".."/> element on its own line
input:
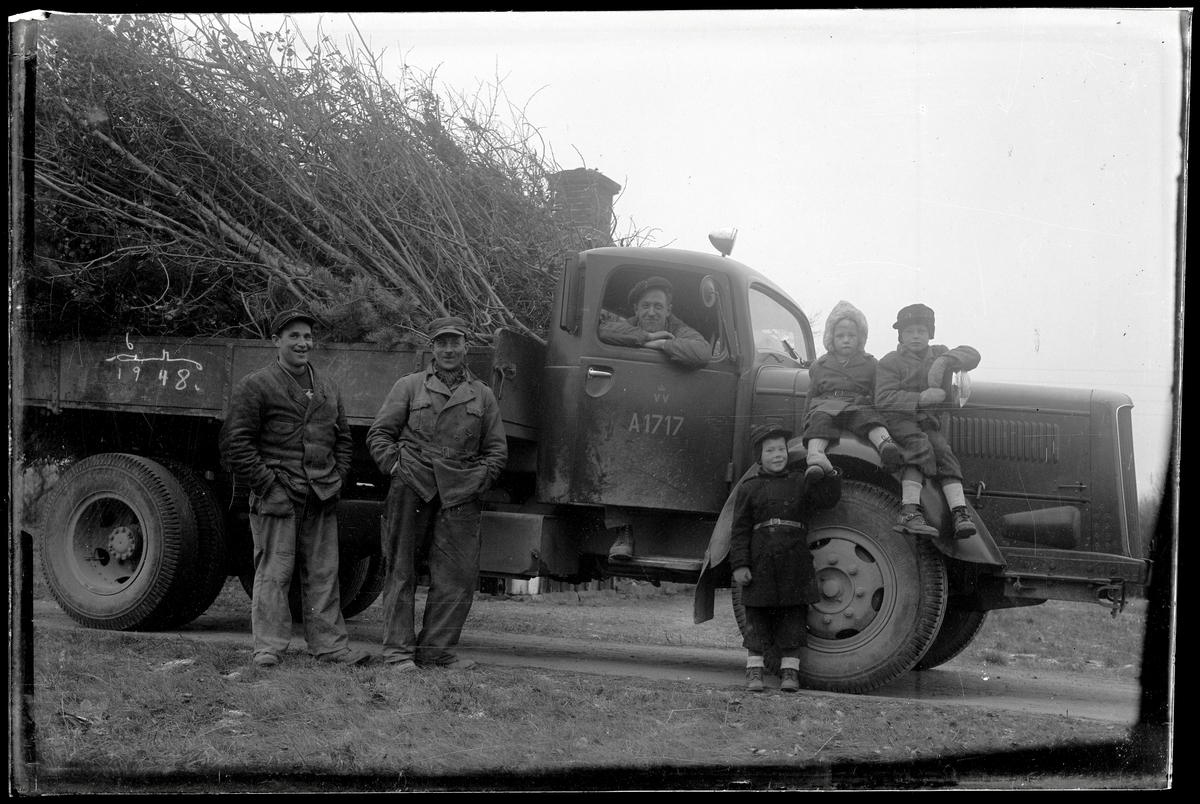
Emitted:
<point x="439" y="437"/>
<point x="653" y="326"/>
<point x="288" y="439"/>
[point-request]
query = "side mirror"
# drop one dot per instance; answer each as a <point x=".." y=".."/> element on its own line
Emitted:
<point x="722" y="240"/>
<point x="708" y="291"/>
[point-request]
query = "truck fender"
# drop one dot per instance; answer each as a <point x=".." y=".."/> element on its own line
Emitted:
<point x="979" y="549"/>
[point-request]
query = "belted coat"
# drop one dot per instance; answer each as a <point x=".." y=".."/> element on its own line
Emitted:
<point x="440" y="442"/>
<point x="834" y="388"/>
<point x="276" y="433"/>
<point x="781" y="565"/>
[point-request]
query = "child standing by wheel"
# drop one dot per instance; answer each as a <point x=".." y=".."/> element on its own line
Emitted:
<point x="910" y="396"/>
<point x="841" y="388"/>
<point x="769" y="554"/>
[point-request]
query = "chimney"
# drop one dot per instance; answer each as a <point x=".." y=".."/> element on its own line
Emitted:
<point x="583" y="203"/>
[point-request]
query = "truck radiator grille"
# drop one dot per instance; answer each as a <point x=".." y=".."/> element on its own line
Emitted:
<point x="999" y="438"/>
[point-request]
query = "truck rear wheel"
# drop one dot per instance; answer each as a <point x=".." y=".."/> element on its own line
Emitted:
<point x="883" y="596"/>
<point x="118" y="542"/>
<point x="959" y="627"/>
<point x="207" y="578"/>
<point x="372" y="586"/>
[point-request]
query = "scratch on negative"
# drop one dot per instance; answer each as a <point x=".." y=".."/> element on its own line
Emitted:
<point x="1020" y="58"/>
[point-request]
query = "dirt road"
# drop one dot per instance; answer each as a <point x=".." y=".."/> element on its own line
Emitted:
<point x="1074" y="695"/>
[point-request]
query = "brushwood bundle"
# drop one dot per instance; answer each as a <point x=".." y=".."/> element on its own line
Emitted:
<point x="191" y="179"/>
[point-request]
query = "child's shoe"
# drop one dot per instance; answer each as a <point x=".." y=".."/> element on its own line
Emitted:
<point x="791" y="680"/>
<point x="754" y="679"/>
<point x="964" y="528"/>
<point x="818" y="467"/>
<point x="912" y="520"/>
<point x="890" y="456"/>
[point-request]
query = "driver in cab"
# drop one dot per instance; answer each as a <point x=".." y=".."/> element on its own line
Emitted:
<point x="654" y="327"/>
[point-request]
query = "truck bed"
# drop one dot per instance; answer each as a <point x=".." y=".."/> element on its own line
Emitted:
<point x="195" y="376"/>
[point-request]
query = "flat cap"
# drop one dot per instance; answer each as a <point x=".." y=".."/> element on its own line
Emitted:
<point x="653" y="283"/>
<point x="441" y="326"/>
<point x="288" y="316"/>
<point x="765" y="431"/>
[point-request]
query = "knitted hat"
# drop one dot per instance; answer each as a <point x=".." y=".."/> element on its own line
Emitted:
<point x="841" y="311"/>
<point x="914" y="314"/>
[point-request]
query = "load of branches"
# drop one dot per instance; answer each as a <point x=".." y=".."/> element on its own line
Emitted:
<point x="194" y="175"/>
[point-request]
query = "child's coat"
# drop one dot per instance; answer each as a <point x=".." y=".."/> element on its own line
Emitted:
<point x="780" y="562"/>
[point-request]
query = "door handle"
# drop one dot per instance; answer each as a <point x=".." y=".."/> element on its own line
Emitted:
<point x="598" y="374"/>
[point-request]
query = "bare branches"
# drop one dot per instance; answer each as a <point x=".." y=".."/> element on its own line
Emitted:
<point x="269" y="172"/>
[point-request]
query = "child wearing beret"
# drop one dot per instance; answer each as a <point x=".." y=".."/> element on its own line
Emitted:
<point x="770" y="557"/>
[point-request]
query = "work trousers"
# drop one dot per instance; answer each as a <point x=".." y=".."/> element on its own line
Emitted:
<point x="785" y="627"/>
<point x="310" y="532"/>
<point x="926" y="449"/>
<point x="448" y="538"/>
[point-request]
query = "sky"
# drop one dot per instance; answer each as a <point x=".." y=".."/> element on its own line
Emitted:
<point x="1014" y="169"/>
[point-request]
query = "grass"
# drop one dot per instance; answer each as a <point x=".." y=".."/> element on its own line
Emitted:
<point x="1077" y="637"/>
<point x="108" y="704"/>
<point x="111" y="707"/>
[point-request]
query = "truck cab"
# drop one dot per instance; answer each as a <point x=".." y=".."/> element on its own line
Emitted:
<point x="637" y="436"/>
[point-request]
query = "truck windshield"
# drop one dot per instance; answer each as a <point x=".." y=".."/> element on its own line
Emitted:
<point x="777" y="331"/>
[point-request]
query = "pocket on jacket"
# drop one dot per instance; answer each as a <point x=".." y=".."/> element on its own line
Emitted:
<point x="282" y="427"/>
<point x="420" y="415"/>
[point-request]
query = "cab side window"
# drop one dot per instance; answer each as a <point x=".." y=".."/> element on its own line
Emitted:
<point x="686" y="305"/>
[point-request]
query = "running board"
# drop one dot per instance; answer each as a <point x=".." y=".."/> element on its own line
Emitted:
<point x="664" y="568"/>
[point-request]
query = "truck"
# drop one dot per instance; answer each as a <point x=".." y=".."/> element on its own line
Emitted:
<point x="143" y="529"/>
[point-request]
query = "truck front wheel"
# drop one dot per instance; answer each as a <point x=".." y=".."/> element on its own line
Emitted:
<point x="118" y="542"/>
<point x="883" y="596"/>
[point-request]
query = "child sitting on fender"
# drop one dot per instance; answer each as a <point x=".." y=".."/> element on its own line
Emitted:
<point x="910" y="396"/>
<point x="769" y="554"/>
<point x="840" y="393"/>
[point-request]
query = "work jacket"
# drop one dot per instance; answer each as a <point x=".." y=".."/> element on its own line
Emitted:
<point x="687" y="347"/>
<point x="276" y="433"/>
<point x="438" y="442"/>
<point x="903" y="375"/>
<point x="832" y="387"/>
<point x="776" y="552"/>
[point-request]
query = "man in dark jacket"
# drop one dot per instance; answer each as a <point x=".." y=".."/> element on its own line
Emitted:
<point x="770" y="557"/>
<point x="439" y="437"/>
<point x="288" y="439"/>
<point x="653" y="326"/>
<point x="909" y="394"/>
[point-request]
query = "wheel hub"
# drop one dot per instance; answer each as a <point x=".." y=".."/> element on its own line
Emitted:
<point x="123" y="542"/>
<point x="851" y="586"/>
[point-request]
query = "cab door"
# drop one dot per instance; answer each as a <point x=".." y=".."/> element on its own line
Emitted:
<point x="649" y="432"/>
